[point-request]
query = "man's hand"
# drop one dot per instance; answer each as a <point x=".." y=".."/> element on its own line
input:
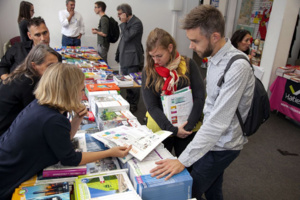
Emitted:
<point x="119" y="151"/>
<point x="79" y="36"/>
<point x="168" y="166"/>
<point x="183" y="133"/>
<point x="123" y="17"/>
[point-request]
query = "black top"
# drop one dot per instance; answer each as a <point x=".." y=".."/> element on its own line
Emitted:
<point x="14" y="56"/>
<point x="154" y="106"/>
<point x="15" y="96"/>
<point x="38" y="138"/>
<point x="23" y="30"/>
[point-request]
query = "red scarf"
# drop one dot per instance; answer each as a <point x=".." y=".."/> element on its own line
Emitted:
<point x="169" y="74"/>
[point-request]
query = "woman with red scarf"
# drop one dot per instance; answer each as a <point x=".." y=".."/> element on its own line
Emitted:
<point x="165" y="72"/>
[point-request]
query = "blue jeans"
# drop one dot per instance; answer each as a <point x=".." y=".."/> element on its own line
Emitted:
<point x="208" y="173"/>
<point x="70" y="41"/>
<point x="133" y="95"/>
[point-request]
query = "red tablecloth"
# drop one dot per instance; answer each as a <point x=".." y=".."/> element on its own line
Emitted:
<point x="285" y="97"/>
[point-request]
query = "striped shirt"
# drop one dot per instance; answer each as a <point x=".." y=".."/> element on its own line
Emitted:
<point x="221" y="129"/>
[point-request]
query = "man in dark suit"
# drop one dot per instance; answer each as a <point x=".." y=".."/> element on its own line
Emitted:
<point x="130" y="53"/>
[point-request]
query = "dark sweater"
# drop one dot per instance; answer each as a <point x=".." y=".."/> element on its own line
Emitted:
<point x="23" y="30"/>
<point x="14" y="56"/>
<point x="154" y="106"/>
<point x="15" y="96"/>
<point x="38" y="138"/>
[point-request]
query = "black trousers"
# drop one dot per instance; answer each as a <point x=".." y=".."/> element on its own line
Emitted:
<point x="133" y="95"/>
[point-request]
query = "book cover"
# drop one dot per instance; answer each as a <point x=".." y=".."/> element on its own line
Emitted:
<point x="57" y="191"/>
<point x="108" y="103"/>
<point x="102" y="87"/>
<point x="143" y="142"/>
<point x="123" y="80"/>
<point x="110" y="185"/>
<point x="178" y="187"/>
<point x="178" y="106"/>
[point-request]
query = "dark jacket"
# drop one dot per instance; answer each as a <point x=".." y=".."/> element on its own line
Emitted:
<point x="14" y="56"/>
<point x="130" y="47"/>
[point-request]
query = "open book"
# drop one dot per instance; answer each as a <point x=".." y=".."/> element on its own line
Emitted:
<point x="142" y="141"/>
<point x="178" y="106"/>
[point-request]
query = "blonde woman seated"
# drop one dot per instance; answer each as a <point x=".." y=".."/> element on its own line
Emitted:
<point x="41" y="134"/>
<point x="167" y="71"/>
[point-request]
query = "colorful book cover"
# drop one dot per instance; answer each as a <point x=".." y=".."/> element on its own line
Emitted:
<point x="102" y="87"/>
<point x="178" y="187"/>
<point x="110" y="185"/>
<point x="57" y="191"/>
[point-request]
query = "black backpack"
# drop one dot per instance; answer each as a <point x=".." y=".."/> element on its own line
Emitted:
<point x="113" y="30"/>
<point x="260" y="107"/>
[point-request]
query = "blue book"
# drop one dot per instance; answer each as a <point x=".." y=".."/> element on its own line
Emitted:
<point x="178" y="187"/>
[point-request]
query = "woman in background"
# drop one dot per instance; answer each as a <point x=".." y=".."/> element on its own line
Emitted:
<point x="16" y="90"/>
<point x="25" y="13"/>
<point x="162" y="56"/>
<point x="242" y="40"/>
<point x="41" y="134"/>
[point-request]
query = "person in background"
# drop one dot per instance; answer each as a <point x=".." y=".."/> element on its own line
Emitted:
<point x="220" y="139"/>
<point x="130" y="53"/>
<point x="242" y="40"/>
<point x="162" y="61"/>
<point x="25" y="14"/>
<point x="72" y="25"/>
<point x="16" y="90"/>
<point x="37" y="33"/>
<point x="41" y="134"/>
<point x="102" y="30"/>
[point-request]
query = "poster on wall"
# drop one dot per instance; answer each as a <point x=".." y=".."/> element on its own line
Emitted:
<point x="245" y="12"/>
<point x="214" y="3"/>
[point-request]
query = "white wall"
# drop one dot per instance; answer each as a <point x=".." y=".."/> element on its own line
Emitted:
<point x="153" y="13"/>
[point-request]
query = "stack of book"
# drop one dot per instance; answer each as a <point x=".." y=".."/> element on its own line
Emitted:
<point x="178" y="187"/>
<point x="137" y="77"/>
<point x="123" y="80"/>
<point x="280" y="71"/>
<point x="108" y="104"/>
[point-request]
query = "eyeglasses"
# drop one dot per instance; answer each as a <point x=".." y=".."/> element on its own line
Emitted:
<point x="120" y="13"/>
<point x="96" y="7"/>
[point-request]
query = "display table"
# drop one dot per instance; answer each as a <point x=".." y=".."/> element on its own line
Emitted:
<point x="285" y="97"/>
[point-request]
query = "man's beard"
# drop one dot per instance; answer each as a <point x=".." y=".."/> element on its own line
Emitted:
<point x="208" y="51"/>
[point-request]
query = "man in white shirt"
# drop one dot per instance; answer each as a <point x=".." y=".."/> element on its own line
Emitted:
<point x="72" y="25"/>
<point x="219" y="140"/>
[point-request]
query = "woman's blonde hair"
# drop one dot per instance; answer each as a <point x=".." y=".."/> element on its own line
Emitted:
<point x="58" y="87"/>
<point x="159" y="38"/>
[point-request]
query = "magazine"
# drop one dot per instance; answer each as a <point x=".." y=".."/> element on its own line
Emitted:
<point x="178" y="106"/>
<point x="142" y="141"/>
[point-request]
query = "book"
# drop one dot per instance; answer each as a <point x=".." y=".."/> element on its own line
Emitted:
<point x="280" y="71"/>
<point x="178" y="106"/>
<point x="101" y="87"/>
<point x="137" y="77"/>
<point x="59" y="190"/>
<point x="123" y="80"/>
<point x="59" y="170"/>
<point x="109" y="185"/>
<point x="109" y="104"/>
<point x="178" y="187"/>
<point x="143" y="142"/>
<point x="290" y="75"/>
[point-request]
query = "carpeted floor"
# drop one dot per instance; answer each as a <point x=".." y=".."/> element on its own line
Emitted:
<point x="261" y="172"/>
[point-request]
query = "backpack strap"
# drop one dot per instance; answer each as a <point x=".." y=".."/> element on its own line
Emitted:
<point x="221" y="81"/>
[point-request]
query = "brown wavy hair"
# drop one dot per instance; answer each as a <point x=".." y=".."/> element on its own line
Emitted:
<point x="159" y="38"/>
